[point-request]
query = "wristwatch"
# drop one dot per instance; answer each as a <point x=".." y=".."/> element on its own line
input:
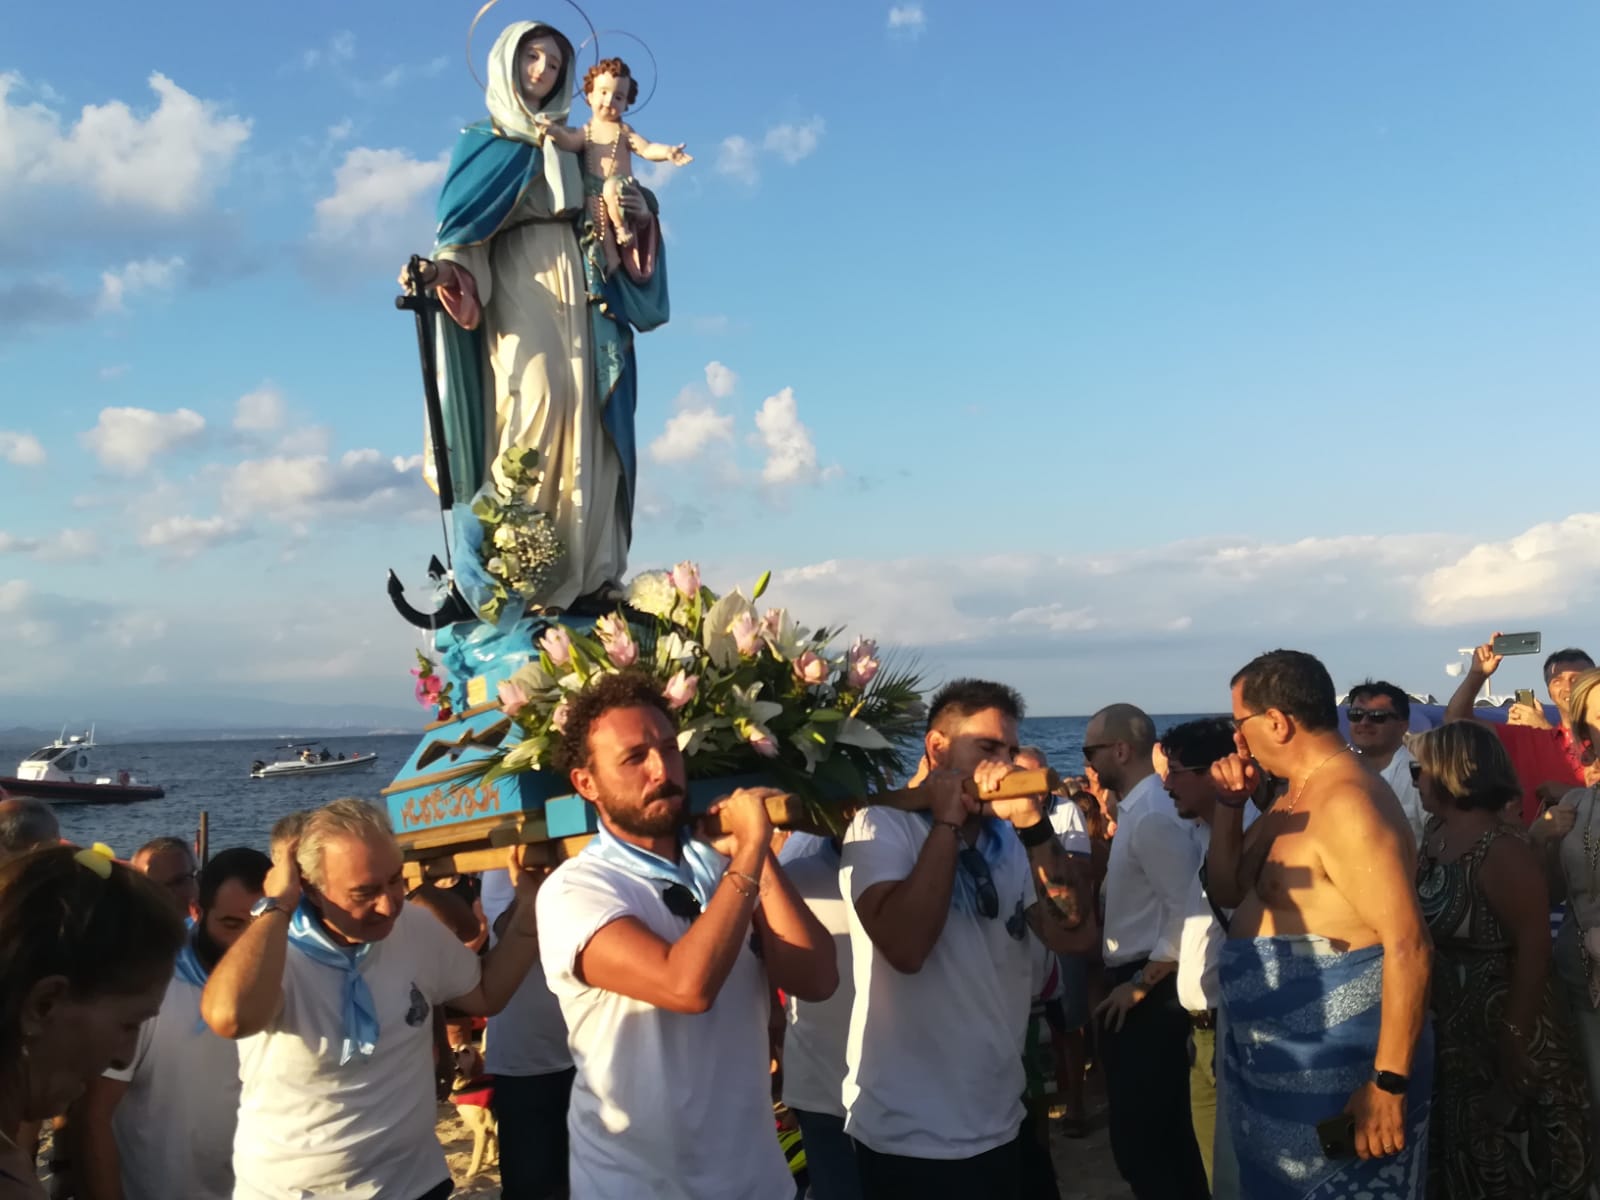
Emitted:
<point x="1388" y="1081"/>
<point x="265" y="905"/>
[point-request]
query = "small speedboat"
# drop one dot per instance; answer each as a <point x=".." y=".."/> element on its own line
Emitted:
<point x="60" y="773"/>
<point x="310" y="762"/>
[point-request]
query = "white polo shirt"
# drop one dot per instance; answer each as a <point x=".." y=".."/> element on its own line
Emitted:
<point x="673" y="1106"/>
<point x="309" y="1127"/>
<point x="174" y="1125"/>
<point x="1071" y="829"/>
<point x="528" y="1036"/>
<point x="814" y="1043"/>
<point x="934" y="1061"/>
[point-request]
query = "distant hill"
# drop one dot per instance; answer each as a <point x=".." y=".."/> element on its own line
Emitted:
<point x="131" y="714"/>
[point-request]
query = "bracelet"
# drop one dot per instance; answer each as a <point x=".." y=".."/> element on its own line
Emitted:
<point x="734" y="878"/>
<point x="952" y="827"/>
<point x="1036" y="835"/>
<point x="750" y="879"/>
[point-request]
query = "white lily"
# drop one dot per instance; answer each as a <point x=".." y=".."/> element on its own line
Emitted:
<point x="853" y="731"/>
<point x="721" y="646"/>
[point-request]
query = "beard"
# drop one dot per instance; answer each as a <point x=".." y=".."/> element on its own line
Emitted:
<point x="633" y="819"/>
<point x="206" y="948"/>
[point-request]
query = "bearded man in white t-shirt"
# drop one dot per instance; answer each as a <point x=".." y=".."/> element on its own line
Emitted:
<point x="942" y="904"/>
<point x="163" y="1125"/>
<point x="331" y="993"/>
<point x="663" y="953"/>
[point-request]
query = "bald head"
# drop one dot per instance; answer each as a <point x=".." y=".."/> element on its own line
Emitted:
<point x="26" y="823"/>
<point x="1126" y="723"/>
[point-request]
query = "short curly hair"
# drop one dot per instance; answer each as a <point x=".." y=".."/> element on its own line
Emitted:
<point x="618" y="70"/>
<point x="623" y="689"/>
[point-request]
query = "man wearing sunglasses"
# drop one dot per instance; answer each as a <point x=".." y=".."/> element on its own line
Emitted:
<point x="663" y="953"/>
<point x="1380" y="716"/>
<point x="941" y="905"/>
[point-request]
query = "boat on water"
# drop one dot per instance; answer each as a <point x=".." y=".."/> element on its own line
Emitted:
<point x="62" y="773"/>
<point x="310" y="762"/>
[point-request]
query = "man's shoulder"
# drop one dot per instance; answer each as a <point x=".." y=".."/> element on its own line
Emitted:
<point x="878" y="820"/>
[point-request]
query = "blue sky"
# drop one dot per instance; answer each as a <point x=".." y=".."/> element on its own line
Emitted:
<point x="1098" y="348"/>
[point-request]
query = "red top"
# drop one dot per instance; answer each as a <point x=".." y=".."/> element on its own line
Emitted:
<point x="1540" y="756"/>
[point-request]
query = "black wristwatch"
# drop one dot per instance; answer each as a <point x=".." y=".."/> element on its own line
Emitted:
<point x="1388" y="1081"/>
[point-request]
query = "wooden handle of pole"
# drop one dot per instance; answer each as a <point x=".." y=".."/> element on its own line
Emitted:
<point x="784" y="811"/>
<point x="1015" y="785"/>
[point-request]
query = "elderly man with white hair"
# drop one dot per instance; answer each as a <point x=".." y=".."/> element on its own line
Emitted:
<point x="331" y="992"/>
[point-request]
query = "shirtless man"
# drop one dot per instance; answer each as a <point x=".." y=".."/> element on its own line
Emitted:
<point x="1325" y="903"/>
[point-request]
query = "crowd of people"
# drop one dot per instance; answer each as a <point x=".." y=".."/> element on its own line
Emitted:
<point x="1300" y="963"/>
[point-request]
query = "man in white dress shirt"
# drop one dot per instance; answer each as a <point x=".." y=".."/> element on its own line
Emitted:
<point x="1155" y="857"/>
<point x="1380" y="716"/>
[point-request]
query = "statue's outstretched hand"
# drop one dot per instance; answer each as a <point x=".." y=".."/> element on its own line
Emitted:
<point x="679" y="158"/>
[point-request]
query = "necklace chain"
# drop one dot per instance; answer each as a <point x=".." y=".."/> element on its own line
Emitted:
<point x="1301" y="790"/>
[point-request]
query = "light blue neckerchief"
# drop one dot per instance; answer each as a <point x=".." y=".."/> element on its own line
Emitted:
<point x="699" y="867"/>
<point x="992" y="845"/>
<point x="360" y="1010"/>
<point x="189" y="970"/>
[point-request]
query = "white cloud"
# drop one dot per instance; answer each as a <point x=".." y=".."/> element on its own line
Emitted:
<point x="794" y="142"/>
<point x="184" y="537"/>
<point x="907" y="19"/>
<point x="1551" y="568"/>
<point x="168" y="161"/>
<point x="341" y="131"/>
<point x="66" y="545"/>
<point x="144" y="275"/>
<point x="381" y="206"/>
<point x="359" y="481"/>
<point x="21" y="449"/>
<point x="791" y="452"/>
<point x="340" y="48"/>
<point x="736" y="158"/>
<point x="114" y="371"/>
<point x="720" y="380"/>
<point x="260" y="411"/>
<point x="128" y="439"/>
<point x="690" y="433"/>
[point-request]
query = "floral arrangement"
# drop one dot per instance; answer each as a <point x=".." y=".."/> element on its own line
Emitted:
<point x="432" y="691"/>
<point x="514" y="547"/>
<point x="754" y="692"/>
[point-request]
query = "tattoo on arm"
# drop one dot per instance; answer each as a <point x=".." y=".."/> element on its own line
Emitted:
<point x="1058" y="881"/>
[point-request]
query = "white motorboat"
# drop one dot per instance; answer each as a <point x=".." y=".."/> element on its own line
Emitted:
<point x="61" y="773"/>
<point x="310" y="762"/>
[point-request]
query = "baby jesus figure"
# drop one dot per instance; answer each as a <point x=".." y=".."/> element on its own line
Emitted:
<point x="608" y="144"/>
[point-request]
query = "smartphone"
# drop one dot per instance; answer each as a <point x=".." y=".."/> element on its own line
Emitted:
<point x="1525" y="696"/>
<point x="1338" y="1136"/>
<point x="1515" y="643"/>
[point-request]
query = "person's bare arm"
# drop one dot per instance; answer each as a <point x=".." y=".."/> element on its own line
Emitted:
<point x="1060" y="916"/>
<point x="245" y="990"/>
<point x="798" y="951"/>
<point x="685" y="976"/>
<point x="1485" y="662"/>
<point x="1365" y="851"/>
<point x="1226" y="880"/>
<point x="96" y="1163"/>
<point x="904" y="917"/>
<point x="507" y="965"/>
<point x="658" y="151"/>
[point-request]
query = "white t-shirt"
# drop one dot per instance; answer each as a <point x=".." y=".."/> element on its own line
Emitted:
<point x="528" y="1036"/>
<point x="673" y="1106"/>
<point x="309" y="1127"/>
<point x="174" y="1124"/>
<point x="935" y="1059"/>
<point x="1070" y="827"/>
<point x="814" y="1043"/>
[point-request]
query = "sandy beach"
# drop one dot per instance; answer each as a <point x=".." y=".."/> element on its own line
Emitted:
<point x="1083" y="1165"/>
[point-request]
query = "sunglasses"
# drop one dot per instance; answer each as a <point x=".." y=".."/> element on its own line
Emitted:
<point x="1376" y="715"/>
<point x="1094" y="748"/>
<point x="681" y="902"/>
<point x="1172" y="770"/>
<point x="1416" y="772"/>
<point x="975" y="865"/>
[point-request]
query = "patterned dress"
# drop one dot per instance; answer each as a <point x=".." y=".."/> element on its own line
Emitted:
<point x="1486" y="1143"/>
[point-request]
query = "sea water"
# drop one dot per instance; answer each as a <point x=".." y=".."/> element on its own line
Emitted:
<point x="214" y="777"/>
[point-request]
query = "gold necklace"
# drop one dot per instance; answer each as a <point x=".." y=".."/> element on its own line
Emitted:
<point x="1301" y="790"/>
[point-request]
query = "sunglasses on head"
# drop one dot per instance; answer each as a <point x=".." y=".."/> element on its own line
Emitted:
<point x="1376" y="715"/>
